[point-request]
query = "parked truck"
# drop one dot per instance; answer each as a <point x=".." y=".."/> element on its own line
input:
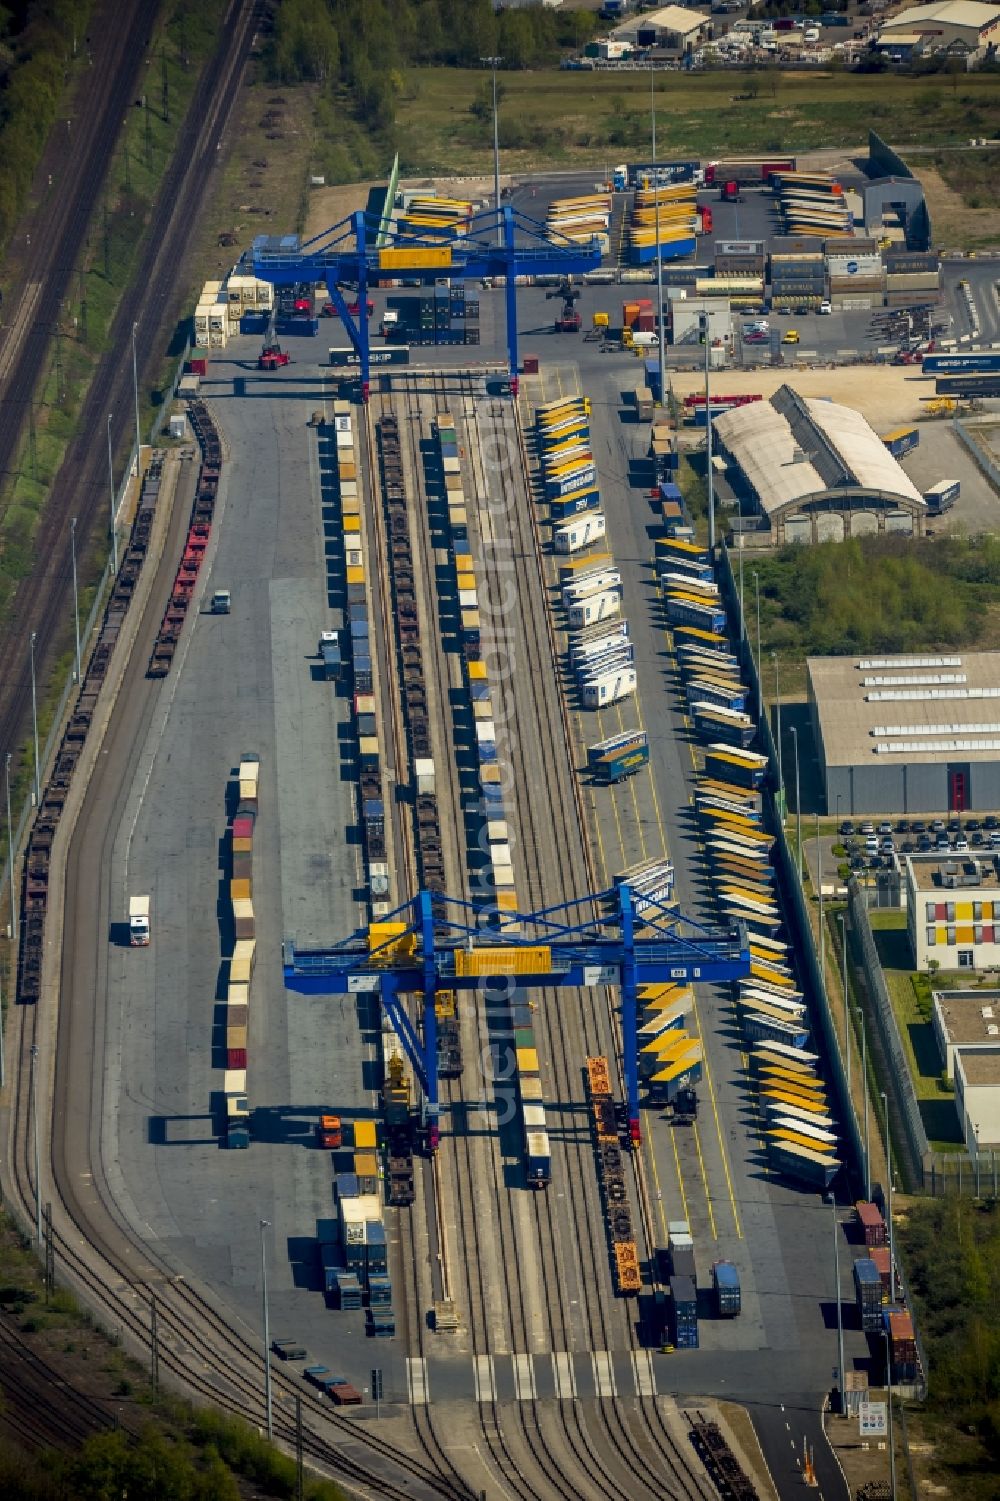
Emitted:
<point x="942" y="496"/>
<point x="726" y="1285"/>
<point x="329" y="650"/>
<point x="138" y="921"/>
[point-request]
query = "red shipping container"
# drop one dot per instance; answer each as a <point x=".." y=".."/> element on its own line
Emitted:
<point x="243" y="826"/>
<point x="198" y="366"/>
<point x="871" y="1222"/>
<point x="645" y="323"/>
<point x="236" y="1057"/>
<point x="531" y="364"/>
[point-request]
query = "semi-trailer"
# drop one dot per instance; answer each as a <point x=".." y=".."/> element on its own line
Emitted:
<point x="613" y="760"/>
<point x="970" y="362"/>
<point x="608" y="687"/>
<point x="138" y="921"/>
<point x="580" y="532"/>
<point x="604" y="605"/>
<point x="942" y="496"/>
<point x="902" y="440"/>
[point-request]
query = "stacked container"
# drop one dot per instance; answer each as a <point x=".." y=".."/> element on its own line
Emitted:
<point x="244" y="951"/>
<point x="684" y="1310"/>
<point x="902" y="1345"/>
<point x="868" y="1290"/>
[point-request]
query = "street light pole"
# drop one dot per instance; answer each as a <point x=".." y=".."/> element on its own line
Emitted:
<point x="111" y="483"/>
<point x="34" y="721"/>
<point x="777" y="728"/>
<point x="34" y="1116"/>
<point x="888" y="1391"/>
<point x="822" y="930"/>
<point x="847" y="1004"/>
<point x="864" y="1071"/>
<point x="494" y="62"/>
<point x="705" y="323"/>
<point x="888" y="1174"/>
<point x="831" y="1200"/>
<point x="798" y="801"/>
<point x="760" y="665"/>
<point x="10" y="855"/>
<point x="76" y="597"/>
<point x="661" y="337"/>
<point x="135" y="393"/>
<point x="266" y="1225"/>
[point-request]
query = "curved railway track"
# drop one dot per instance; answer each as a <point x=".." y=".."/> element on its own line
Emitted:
<point x="43" y="598"/>
<point x="96" y="1249"/>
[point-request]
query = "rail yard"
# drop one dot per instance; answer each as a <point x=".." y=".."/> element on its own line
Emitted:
<point x="402" y="922"/>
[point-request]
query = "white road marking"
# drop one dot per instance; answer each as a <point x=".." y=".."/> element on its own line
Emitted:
<point x="416" y="1380"/>
<point x="524" y="1378"/>
<point x="604" y="1374"/>
<point x="645" y="1378"/>
<point x="564" y="1375"/>
<point x="482" y="1370"/>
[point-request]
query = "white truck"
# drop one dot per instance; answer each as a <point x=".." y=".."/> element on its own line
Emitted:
<point x="138" y="921"/>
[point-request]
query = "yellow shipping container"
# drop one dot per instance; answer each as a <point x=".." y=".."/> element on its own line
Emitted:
<point x="502" y="961"/>
<point x="352" y="523"/>
<point x="365" y="1136"/>
<point x="476" y="671"/>
<point x="366" y="1164"/>
<point x="466" y="581"/>
<point x="240" y="971"/>
<point x="356" y="574"/>
<point x="242" y="846"/>
<point x="527" y="1060"/>
<point x="238" y="995"/>
<point x="239" y="889"/>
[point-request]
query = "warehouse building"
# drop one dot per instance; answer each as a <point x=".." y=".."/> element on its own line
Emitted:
<point x="673" y="29"/>
<point x="815" y="471"/>
<point x="957" y="24"/>
<point x="907" y="735"/>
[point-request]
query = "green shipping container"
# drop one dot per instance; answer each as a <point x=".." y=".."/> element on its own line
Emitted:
<point x="524" y="1037"/>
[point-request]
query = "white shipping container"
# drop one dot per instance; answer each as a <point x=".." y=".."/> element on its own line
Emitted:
<point x="468" y="599"/>
<point x="603" y="606"/>
<point x="610" y="688"/>
<point x="423" y="770"/>
<point x="500" y="854"/>
<point x="534" y="1117"/>
<point x="345" y="439"/>
<point x="496" y="831"/>
<point x="235" y="1081"/>
<point x="580" y="532"/>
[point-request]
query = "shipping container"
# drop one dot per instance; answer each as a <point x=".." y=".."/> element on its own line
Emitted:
<point x="901" y="440"/>
<point x="581" y="531"/>
<point x="726" y="1283"/>
<point x="962" y="362"/>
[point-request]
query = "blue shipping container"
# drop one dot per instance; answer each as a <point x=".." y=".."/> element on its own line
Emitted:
<point x="975" y="362"/>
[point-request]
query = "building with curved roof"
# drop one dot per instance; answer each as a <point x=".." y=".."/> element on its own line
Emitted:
<point x="815" y="471"/>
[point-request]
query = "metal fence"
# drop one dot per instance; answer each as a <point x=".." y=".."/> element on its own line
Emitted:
<point x="892" y="1064"/>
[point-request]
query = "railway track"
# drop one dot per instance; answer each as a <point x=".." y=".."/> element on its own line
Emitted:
<point x="43" y="598"/>
<point x="97" y="1250"/>
<point x="563" y="1449"/>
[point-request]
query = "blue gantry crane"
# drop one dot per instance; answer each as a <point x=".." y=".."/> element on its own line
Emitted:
<point x="358" y="251"/>
<point x="437" y="943"/>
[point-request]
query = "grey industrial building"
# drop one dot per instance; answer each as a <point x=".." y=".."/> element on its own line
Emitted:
<point x="907" y="734"/>
<point x="814" y="471"/>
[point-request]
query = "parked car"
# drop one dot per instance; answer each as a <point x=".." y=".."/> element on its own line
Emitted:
<point x="885" y="827"/>
<point x="971" y="825"/>
<point x="847" y="827"/>
<point x="825" y="307"/>
<point x="991" y="822"/>
<point x="790" y="336"/>
<point x="919" y="826"/>
<point x="961" y="843"/>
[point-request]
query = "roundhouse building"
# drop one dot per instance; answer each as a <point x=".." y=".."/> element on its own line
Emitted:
<point x="816" y="471"/>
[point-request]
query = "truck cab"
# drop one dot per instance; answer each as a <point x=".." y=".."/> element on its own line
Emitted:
<point x="221" y="602"/>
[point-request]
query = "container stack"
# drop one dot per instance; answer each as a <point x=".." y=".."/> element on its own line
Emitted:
<point x="684" y="1313"/>
<point x="902" y="1346"/>
<point x="425" y="216"/>
<point x="675" y="208"/>
<point x="353" y="1248"/>
<point x="868" y="1290"/>
<point x="611" y="1175"/>
<point x="798" y="1131"/>
<point x="857" y="276"/>
<point x="670" y="1055"/>
<point x="798" y="277"/>
<point x="444" y="315"/>
<point x="581" y="220"/>
<point x="812" y="203"/>
<point x="241" y="962"/>
<point x="477" y="687"/>
<point x="912" y="278"/>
